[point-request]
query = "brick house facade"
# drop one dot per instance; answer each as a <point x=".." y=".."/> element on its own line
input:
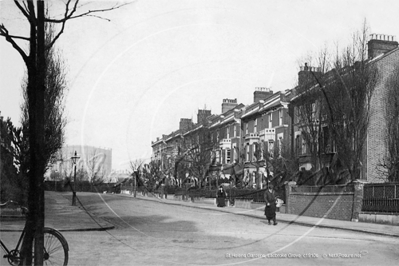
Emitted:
<point x="265" y="126"/>
<point x="384" y="53"/>
<point x="385" y="56"/>
<point x="271" y="122"/>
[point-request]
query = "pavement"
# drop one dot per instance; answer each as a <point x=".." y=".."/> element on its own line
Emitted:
<point x="64" y="217"/>
<point x="59" y="214"/>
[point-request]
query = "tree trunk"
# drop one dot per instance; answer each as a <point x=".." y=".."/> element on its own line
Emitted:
<point x="30" y="226"/>
<point x="135" y="184"/>
<point x="36" y="85"/>
<point x="39" y="240"/>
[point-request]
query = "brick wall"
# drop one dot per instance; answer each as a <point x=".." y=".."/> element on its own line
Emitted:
<point x="333" y="205"/>
<point x="376" y="134"/>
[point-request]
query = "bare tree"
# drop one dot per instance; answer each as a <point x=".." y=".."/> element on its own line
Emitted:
<point x="312" y="104"/>
<point x="350" y="93"/>
<point x="335" y="112"/>
<point x="280" y="164"/>
<point x="197" y="161"/>
<point x="93" y="167"/>
<point x="34" y="13"/>
<point x="155" y="172"/>
<point x="195" y="156"/>
<point x="135" y="167"/>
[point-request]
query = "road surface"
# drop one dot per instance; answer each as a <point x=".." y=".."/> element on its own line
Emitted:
<point x="155" y="233"/>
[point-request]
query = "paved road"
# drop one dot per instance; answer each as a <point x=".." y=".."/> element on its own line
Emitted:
<point x="154" y="233"/>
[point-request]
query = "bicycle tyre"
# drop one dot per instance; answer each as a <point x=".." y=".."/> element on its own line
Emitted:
<point x="55" y="248"/>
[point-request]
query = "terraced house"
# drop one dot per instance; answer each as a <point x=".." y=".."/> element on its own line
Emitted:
<point x="333" y="123"/>
<point x="225" y="132"/>
<point x="339" y="117"/>
<point x="224" y="146"/>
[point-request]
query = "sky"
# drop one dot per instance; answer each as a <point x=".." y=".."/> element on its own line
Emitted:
<point x="132" y="78"/>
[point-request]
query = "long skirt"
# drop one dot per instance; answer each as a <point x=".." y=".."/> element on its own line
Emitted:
<point x="270" y="212"/>
<point x="221" y="202"/>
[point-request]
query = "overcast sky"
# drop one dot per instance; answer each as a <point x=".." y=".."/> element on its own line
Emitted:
<point x="132" y="79"/>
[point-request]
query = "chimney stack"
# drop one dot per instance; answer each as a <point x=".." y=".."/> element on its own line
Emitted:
<point x="202" y="115"/>
<point x="228" y="104"/>
<point x="306" y="75"/>
<point x="262" y="93"/>
<point x="185" y="124"/>
<point x="380" y="44"/>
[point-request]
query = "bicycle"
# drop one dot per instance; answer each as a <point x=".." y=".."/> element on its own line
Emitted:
<point x="55" y="245"/>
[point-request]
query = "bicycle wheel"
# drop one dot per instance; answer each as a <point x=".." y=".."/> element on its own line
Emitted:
<point x="55" y="248"/>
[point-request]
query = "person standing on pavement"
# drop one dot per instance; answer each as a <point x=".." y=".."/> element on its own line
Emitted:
<point x="164" y="188"/>
<point x="221" y="197"/>
<point x="270" y="200"/>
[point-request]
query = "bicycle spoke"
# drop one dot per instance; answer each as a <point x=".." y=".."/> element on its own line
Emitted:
<point x="54" y="251"/>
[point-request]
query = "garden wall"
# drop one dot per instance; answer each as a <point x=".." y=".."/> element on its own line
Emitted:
<point x="332" y="202"/>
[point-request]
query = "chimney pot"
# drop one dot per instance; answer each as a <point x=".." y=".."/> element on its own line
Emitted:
<point x="380" y="44"/>
<point x="228" y="104"/>
<point x="305" y="76"/>
<point x="262" y="93"/>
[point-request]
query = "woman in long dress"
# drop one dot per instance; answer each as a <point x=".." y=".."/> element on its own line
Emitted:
<point x="221" y="197"/>
<point x="270" y="209"/>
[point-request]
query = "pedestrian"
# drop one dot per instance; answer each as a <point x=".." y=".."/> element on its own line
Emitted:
<point x="161" y="189"/>
<point x="164" y="190"/>
<point x="270" y="200"/>
<point x="221" y="197"/>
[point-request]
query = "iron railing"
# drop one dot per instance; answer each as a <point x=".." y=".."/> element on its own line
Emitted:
<point x="255" y="195"/>
<point x="382" y="197"/>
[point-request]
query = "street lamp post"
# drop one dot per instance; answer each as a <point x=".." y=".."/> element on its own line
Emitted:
<point x="74" y="160"/>
<point x="135" y="174"/>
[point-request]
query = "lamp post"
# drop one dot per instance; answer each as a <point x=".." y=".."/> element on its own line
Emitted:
<point x="74" y="160"/>
<point x="135" y="175"/>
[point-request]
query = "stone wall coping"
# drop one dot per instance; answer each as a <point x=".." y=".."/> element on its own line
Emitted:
<point x="321" y="193"/>
<point x="381" y="213"/>
<point x="361" y="181"/>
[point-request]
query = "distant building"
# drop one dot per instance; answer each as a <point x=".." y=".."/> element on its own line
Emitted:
<point x="92" y="161"/>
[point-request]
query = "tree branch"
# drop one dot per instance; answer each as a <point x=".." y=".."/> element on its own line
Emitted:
<point x="18" y="37"/>
<point x="31" y="12"/>
<point x="56" y="37"/>
<point x="9" y="38"/>
<point x="70" y="14"/>
<point x="94" y="16"/>
<point x="24" y="10"/>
